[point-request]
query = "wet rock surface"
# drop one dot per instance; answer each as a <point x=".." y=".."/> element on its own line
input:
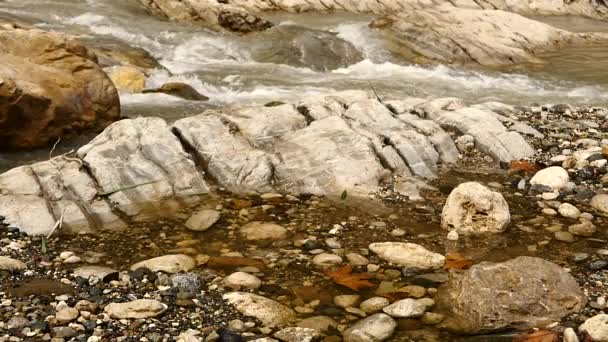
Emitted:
<point x="50" y="86"/>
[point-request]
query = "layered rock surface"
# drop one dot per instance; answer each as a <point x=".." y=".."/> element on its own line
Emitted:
<point x="485" y="37"/>
<point x="321" y="145"/>
<point x="50" y="86"/>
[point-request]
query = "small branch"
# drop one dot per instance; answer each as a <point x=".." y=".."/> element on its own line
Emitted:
<point x="54" y="146"/>
<point x="58" y="224"/>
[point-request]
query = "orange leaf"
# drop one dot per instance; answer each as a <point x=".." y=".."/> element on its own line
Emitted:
<point x="345" y="277"/>
<point x="538" y="336"/>
<point x="524" y="166"/>
<point x="456" y="261"/>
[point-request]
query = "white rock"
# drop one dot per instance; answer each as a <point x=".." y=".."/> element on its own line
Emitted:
<point x="569" y="211"/>
<point x="453" y="235"/>
<point x="66" y="315"/>
<point x="596" y="327"/>
<point x="570" y="335"/>
<point x="239" y="280"/>
<point x="376" y="328"/>
<point x="405" y="308"/>
<point x="171" y="263"/>
<point x="374" y="304"/>
<point x="93" y="271"/>
<point x="10" y="264"/>
<point x="137" y="309"/>
<point x="474" y="209"/>
<point x="65" y="255"/>
<point x="263" y="231"/>
<point x="344" y="301"/>
<point x="203" y="220"/>
<point x="74" y="259"/>
<point x="268" y="311"/>
<point x="357" y="259"/>
<point x="407" y="255"/>
<point x="326" y="260"/>
<point x="554" y="177"/>
<point x="600" y="203"/>
<point x="297" y="334"/>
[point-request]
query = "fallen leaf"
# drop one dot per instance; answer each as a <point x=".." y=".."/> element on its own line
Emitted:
<point x="456" y="261"/>
<point x="538" y="336"/>
<point x="524" y="166"/>
<point x="345" y="277"/>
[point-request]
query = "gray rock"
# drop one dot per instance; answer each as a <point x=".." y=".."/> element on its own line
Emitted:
<point x="17" y="322"/>
<point x="326" y="260"/>
<point x="187" y="285"/>
<point x="374" y="304"/>
<point x="139" y="162"/>
<point x="489" y="133"/>
<point x="268" y="311"/>
<point x="297" y="334"/>
<point x="203" y="220"/>
<point x="405" y="308"/>
<point x="375" y="328"/>
<point x="407" y="255"/>
<point x="304" y="47"/>
<point x="473" y="209"/>
<point x="520" y="293"/>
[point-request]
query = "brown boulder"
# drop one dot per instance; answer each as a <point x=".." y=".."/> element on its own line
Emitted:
<point x="50" y="86"/>
<point x="521" y="293"/>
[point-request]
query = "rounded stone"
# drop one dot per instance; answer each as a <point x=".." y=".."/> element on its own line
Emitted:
<point x="263" y="231"/>
<point x="326" y="260"/>
<point x="407" y="255"/>
<point x="569" y="211"/>
<point x="66" y="315"/>
<point x="374" y="304"/>
<point x="554" y="178"/>
<point x="473" y="209"/>
<point x="596" y="327"/>
<point x="245" y="280"/>
<point x="405" y="308"/>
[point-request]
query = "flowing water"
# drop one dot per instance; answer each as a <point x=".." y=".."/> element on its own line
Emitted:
<point x="221" y="67"/>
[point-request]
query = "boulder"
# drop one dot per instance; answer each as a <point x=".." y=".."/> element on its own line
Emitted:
<point x="375" y="328"/>
<point x="140" y="166"/>
<point x="50" y="86"/>
<point x="521" y="293"/>
<point x="217" y="15"/>
<point x="408" y="255"/>
<point x="553" y="178"/>
<point x="178" y="89"/>
<point x="268" y="311"/>
<point x="471" y="36"/>
<point x="303" y="47"/>
<point x="172" y="263"/>
<point x="473" y="209"/>
<point x="596" y="327"/>
<point x="137" y="309"/>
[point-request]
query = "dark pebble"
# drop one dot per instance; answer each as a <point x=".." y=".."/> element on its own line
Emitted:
<point x="229" y="336"/>
<point x="312" y="244"/>
<point x="40" y="325"/>
<point x="597" y="265"/>
<point x="90" y="325"/>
